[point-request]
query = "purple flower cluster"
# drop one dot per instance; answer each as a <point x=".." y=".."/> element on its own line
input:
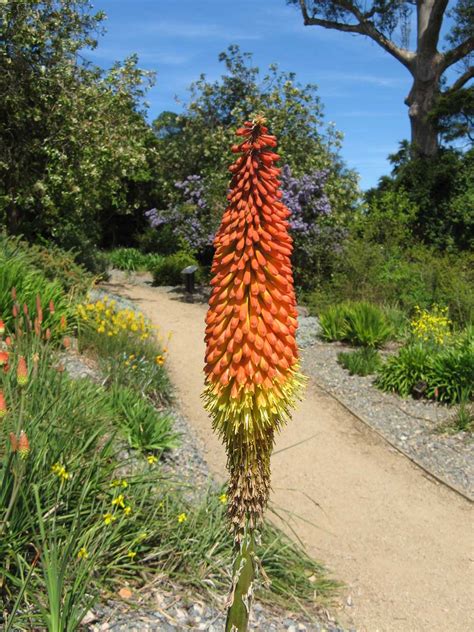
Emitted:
<point x="306" y="199"/>
<point x="188" y="220"/>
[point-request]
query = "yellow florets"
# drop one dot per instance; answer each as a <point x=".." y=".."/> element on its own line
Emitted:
<point x="106" y="319"/>
<point x="431" y="326"/>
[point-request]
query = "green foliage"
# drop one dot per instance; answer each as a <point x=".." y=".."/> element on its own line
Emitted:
<point x="133" y="357"/>
<point x="367" y="325"/>
<point x="333" y="322"/>
<point x="132" y="259"/>
<point x="17" y="271"/>
<point x="145" y="428"/>
<point x="451" y="374"/>
<point x="462" y="419"/>
<point x="167" y="271"/>
<point x="359" y="323"/>
<point x="77" y="151"/>
<point x="403" y="279"/>
<point x="56" y="264"/>
<point x="198" y="141"/>
<point x="440" y="188"/>
<point x="365" y="361"/>
<point x="446" y="372"/>
<point x="401" y="372"/>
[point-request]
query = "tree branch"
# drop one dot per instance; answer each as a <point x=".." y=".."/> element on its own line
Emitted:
<point x="455" y="54"/>
<point x="363" y="27"/>
<point x="430" y="37"/>
<point x="461" y="81"/>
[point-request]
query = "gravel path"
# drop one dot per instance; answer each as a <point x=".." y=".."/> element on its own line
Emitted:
<point x="410" y="425"/>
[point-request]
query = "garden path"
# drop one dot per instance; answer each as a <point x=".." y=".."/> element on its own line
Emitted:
<point x="401" y="542"/>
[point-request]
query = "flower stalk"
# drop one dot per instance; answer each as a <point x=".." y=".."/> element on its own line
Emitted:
<point x="252" y="366"/>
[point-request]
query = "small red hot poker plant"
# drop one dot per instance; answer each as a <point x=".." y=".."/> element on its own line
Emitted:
<point x="252" y="368"/>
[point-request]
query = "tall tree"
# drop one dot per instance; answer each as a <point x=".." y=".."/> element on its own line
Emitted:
<point x="379" y="20"/>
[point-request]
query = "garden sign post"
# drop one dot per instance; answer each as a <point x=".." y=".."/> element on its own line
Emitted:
<point x="252" y="366"/>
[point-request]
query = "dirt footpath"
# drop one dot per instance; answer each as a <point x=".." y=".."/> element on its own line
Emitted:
<point x="402" y="544"/>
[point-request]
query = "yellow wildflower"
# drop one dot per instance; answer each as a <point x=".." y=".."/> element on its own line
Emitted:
<point x="223" y="498"/>
<point x="60" y="472"/>
<point x="182" y="518"/>
<point x="131" y="554"/>
<point x="159" y="360"/>
<point x="127" y="510"/>
<point x="151" y="458"/>
<point x="109" y="518"/>
<point x="119" y="501"/>
<point x="117" y="482"/>
<point x="82" y="554"/>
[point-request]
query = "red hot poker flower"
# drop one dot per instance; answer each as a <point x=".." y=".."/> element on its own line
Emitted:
<point x="22" y="372"/>
<point x="3" y="405"/>
<point x="252" y="371"/>
<point x="23" y="445"/>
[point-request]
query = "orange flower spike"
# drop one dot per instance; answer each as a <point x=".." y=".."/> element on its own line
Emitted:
<point x="2" y="327"/>
<point x="252" y="366"/>
<point x="23" y="446"/>
<point x="22" y="372"/>
<point x="4" y="355"/>
<point x="3" y="405"/>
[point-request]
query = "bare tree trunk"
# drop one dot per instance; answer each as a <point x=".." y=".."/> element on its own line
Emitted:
<point x="420" y="101"/>
<point x="425" y="90"/>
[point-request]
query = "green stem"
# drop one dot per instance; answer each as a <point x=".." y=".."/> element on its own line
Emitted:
<point x="244" y="571"/>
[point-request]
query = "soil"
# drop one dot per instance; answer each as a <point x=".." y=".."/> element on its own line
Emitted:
<point x="401" y="542"/>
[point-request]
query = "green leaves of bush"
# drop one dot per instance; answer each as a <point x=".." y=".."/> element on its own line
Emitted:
<point x="132" y="259"/>
<point x="359" y="323"/>
<point x="168" y="270"/>
<point x="447" y="374"/>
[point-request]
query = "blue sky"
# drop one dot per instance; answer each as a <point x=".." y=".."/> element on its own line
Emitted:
<point x="362" y="87"/>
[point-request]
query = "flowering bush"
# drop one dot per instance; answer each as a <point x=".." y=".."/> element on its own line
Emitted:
<point x="316" y="233"/>
<point x="191" y="221"/>
<point x="432" y="326"/>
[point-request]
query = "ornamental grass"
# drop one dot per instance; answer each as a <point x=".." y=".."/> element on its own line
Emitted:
<point x="252" y="366"/>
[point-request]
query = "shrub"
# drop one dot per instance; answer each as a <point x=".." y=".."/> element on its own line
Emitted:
<point x="451" y="374"/>
<point x="416" y="275"/>
<point x="403" y="371"/>
<point x="333" y="322"/>
<point x="168" y="270"/>
<point x="364" y="361"/>
<point x="132" y="259"/>
<point x="55" y="264"/>
<point x="367" y="325"/>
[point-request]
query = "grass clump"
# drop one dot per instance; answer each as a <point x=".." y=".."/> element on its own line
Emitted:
<point x="333" y="322"/>
<point x="21" y="285"/>
<point x="145" y="428"/>
<point x="359" y="323"/>
<point x="443" y="374"/>
<point x="365" y="361"/>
